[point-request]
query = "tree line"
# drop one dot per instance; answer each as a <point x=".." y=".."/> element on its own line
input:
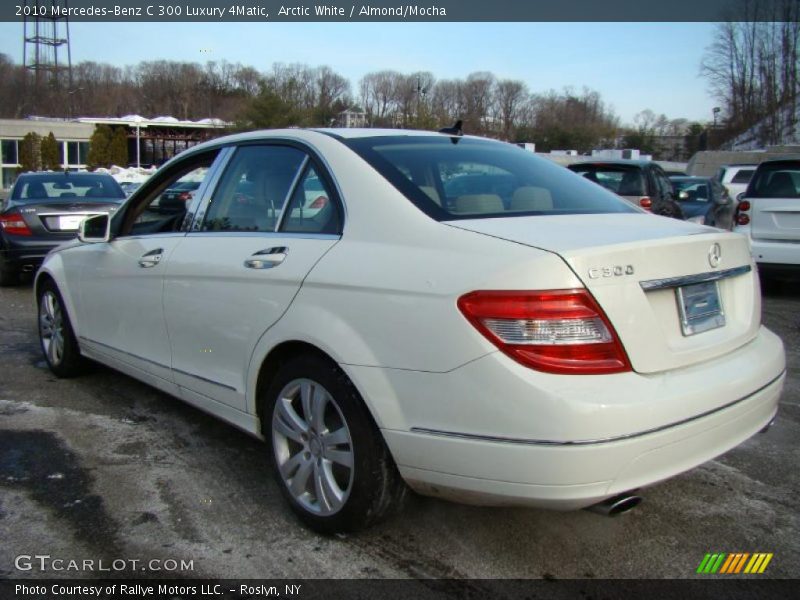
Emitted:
<point x="752" y="67"/>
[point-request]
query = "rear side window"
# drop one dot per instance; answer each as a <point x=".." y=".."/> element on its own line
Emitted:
<point x="743" y="176"/>
<point x="776" y="181"/>
<point x="466" y="178"/>
<point x="311" y="209"/>
<point x="254" y="189"/>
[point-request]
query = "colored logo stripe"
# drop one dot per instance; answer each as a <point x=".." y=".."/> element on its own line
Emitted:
<point x="734" y="563"/>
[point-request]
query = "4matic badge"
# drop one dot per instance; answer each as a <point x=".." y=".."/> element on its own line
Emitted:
<point x="612" y="271"/>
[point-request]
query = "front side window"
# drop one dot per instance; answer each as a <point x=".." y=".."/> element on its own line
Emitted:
<point x="254" y="188"/>
<point x="452" y="178"/>
<point x="163" y="208"/>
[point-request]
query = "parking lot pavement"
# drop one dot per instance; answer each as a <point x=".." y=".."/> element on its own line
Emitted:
<point x="104" y="467"/>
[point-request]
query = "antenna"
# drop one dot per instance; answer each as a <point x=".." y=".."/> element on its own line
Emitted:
<point x="46" y="37"/>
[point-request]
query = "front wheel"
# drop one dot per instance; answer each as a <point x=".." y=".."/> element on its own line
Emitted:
<point x="330" y="460"/>
<point x="56" y="336"/>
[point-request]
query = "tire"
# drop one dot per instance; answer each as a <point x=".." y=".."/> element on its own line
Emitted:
<point x="56" y="337"/>
<point x="335" y="471"/>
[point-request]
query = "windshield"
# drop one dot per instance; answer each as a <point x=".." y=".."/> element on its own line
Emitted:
<point x="466" y="178"/>
<point x="779" y="180"/>
<point x="86" y="187"/>
<point x="625" y="181"/>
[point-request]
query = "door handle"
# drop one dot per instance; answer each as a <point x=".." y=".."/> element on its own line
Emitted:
<point x="151" y="259"/>
<point x="267" y="258"/>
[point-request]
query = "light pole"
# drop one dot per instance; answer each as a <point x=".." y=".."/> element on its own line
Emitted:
<point x="716" y="110"/>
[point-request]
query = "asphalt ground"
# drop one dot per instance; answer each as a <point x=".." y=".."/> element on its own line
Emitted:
<point x="103" y="467"/>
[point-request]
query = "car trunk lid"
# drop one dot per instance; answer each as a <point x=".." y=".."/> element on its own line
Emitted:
<point x="634" y="266"/>
<point x="62" y="217"/>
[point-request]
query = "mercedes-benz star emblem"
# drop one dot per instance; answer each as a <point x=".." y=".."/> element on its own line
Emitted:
<point x="715" y="255"/>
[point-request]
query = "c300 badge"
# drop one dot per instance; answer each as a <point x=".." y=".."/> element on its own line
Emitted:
<point x="613" y="271"/>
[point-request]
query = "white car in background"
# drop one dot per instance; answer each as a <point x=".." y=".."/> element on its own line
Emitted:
<point x="769" y="213"/>
<point x="543" y="344"/>
<point x="735" y="178"/>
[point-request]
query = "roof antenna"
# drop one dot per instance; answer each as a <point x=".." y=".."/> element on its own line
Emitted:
<point x="454" y="130"/>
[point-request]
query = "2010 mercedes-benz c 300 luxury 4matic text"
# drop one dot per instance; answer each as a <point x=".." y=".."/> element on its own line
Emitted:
<point x="396" y="308"/>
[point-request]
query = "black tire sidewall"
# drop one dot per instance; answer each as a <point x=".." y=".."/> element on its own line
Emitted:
<point x="72" y="363"/>
<point x="370" y="453"/>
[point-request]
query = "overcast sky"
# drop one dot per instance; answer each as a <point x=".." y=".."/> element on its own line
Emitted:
<point x="633" y="65"/>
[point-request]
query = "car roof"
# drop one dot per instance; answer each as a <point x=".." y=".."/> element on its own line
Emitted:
<point x="617" y="162"/>
<point x="66" y="174"/>
<point x="780" y="161"/>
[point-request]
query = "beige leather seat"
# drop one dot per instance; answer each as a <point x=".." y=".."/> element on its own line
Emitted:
<point x="530" y="198"/>
<point x="479" y="204"/>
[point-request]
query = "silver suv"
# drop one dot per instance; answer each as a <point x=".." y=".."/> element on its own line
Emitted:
<point x="769" y="212"/>
<point x="735" y="178"/>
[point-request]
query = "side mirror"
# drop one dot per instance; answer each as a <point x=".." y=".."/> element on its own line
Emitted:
<point x="94" y="230"/>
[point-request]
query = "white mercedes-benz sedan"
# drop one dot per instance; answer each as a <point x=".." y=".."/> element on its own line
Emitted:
<point x="393" y="309"/>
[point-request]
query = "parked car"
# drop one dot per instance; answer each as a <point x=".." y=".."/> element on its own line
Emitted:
<point x="176" y="198"/>
<point x="642" y="183"/>
<point x="735" y="178"/>
<point x="704" y="201"/>
<point x="44" y="210"/>
<point x="769" y="213"/>
<point x="129" y="186"/>
<point x="560" y="350"/>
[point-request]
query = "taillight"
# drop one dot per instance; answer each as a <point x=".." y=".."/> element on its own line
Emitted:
<point x="319" y="202"/>
<point x="742" y="218"/>
<point x="646" y="203"/>
<point x="185" y="196"/>
<point x="14" y="224"/>
<point x="556" y="331"/>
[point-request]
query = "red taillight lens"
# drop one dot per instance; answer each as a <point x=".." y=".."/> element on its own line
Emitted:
<point x="319" y="202"/>
<point x="646" y="203"/>
<point x="741" y="209"/>
<point x="14" y="224"/>
<point x="185" y="196"/>
<point x="557" y="331"/>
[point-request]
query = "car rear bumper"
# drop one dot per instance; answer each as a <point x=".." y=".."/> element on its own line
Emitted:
<point x="569" y="468"/>
<point x="27" y="253"/>
<point x="766" y="252"/>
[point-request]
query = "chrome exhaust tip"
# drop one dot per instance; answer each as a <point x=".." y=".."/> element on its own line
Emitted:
<point x="616" y="505"/>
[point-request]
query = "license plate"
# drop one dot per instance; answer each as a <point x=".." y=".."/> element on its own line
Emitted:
<point x="70" y="222"/>
<point x="700" y="308"/>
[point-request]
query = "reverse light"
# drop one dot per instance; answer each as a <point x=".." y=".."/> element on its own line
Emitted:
<point x="555" y="331"/>
<point x="14" y="224"/>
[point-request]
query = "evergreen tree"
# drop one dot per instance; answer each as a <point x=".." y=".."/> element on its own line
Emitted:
<point x="51" y="160"/>
<point x="118" y="149"/>
<point x="99" y="148"/>
<point x="30" y="153"/>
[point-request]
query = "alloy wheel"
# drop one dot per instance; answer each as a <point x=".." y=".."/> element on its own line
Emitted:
<point x="313" y="447"/>
<point x="51" y="327"/>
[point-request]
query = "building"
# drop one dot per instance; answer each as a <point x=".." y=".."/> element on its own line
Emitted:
<point x="150" y="141"/>
<point x="352" y="117"/>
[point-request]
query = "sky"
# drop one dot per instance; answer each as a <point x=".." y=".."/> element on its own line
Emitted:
<point x="634" y="66"/>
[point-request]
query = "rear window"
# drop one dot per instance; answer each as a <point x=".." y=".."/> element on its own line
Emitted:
<point x="743" y="176"/>
<point x="625" y="181"/>
<point x="86" y="187"/>
<point x="466" y="178"/>
<point x="693" y="190"/>
<point x="776" y="181"/>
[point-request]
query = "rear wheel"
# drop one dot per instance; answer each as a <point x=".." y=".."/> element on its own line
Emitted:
<point x="330" y="460"/>
<point x="56" y="336"/>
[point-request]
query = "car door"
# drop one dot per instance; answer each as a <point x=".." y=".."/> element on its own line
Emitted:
<point x="121" y="282"/>
<point x="264" y="228"/>
<point x="775" y="198"/>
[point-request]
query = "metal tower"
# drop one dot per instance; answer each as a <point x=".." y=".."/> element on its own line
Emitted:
<point x="46" y="40"/>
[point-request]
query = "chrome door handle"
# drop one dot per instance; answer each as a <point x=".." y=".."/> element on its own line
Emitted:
<point x="151" y="259"/>
<point x="267" y="258"/>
